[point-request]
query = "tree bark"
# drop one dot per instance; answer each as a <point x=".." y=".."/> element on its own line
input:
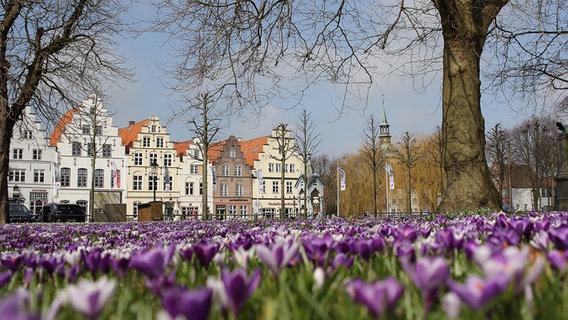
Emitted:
<point x="464" y="27"/>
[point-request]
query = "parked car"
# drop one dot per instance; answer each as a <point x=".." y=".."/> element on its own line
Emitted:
<point x="20" y="213"/>
<point x="62" y="212"/>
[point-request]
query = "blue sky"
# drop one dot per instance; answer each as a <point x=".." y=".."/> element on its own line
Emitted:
<point x="406" y="109"/>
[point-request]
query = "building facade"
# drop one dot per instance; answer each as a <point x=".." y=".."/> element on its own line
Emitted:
<point x="33" y="162"/>
<point x="90" y="154"/>
<point x="232" y="198"/>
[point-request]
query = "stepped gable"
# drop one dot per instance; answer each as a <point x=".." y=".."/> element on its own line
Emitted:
<point x="252" y="148"/>
<point x="67" y="118"/>
<point x="130" y="133"/>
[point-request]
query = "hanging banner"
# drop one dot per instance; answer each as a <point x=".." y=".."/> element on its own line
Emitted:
<point x="260" y="181"/>
<point x="390" y="173"/>
<point x="342" y="183"/>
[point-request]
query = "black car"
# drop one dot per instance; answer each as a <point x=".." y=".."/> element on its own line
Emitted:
<point x="63" y="212"/>
<point x="20" y="213"/>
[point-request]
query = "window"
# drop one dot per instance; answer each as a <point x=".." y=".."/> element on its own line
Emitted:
<point x="65" y="177"/>
<point x="168" y="182"/>
<point x="99" y="178"/>
<point x="39" y="175"/>
<point x="153" y="158"/>
<point x="135" y="205"/>
<point x="98" y="130"/>
<point x="232" y="212"/>
<point x="244" y="211"/>
<point x="168" y="159"/>
<point x="18" y="154"/>
<point x="271" y="167"/>
<point x="275" y="186"/>
<point x="137" y="182"/>
<point x="224" y="190"/>
<point x="225" y="170"/>
<point x="159" y="142"/>
<point x="188" y="188"/>
<point x="263" y="187"/>
<point x="82" y="178"/>
<point x="196" y="153"/>
<point x="153" y="128"/>
<point x="137" y="159"/>
<point x="36" y="154"/>
<point x="194" y="169"/>
<point x="239" y="190"/>
<point x="289" y="187"/>
<point x="201" y="188"/>
<point x="107" y="150"/>
<point x="27" y="134"/>
<point x="232" y="153"/>
<point x="278" y="167"/>
<point x="292" y="168"/>
<point x="238" y="170"/>
<point x="76" y="149"/>
<point x="146" y="142"/>
<point x="90" y="149"/>
<point x="86" y="129"/>
<point x="17" y="175"/>
<point x="152" y="183"/>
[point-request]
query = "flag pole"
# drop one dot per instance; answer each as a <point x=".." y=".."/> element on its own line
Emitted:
<point x="338" y="187"/>
<point x="387" y="190"/>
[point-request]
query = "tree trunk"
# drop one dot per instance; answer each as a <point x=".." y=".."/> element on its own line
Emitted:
<point x="5" y="138"/>
<point x="282" y="186"/>
<point x="469" y="184"/>
<point x="409" y="191"/>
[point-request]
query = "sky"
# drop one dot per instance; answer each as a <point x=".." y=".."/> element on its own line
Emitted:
<point x="406" y="109"/>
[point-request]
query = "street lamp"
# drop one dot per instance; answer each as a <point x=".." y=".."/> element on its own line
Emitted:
<point x="154" y="165"/>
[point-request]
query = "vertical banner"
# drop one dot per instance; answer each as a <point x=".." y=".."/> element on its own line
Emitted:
<point x="167" y="185"/>
<point x="390" y="173"/>
<point x="114" y="173"/>
<point x="56" y="174"/>
<point x="342" y="184"/>
<point x="214" y="174"/>
<point x="260" y="181"/>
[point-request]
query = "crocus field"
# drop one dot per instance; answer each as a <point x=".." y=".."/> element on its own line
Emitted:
<point x="488" y="266"/>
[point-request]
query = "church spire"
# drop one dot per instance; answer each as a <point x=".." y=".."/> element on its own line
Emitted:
<point x="384" y="131"/>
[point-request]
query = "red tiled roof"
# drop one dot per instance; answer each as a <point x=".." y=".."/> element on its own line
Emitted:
<point x="214" y="151"/>
<point x="67" y="118"/>
<point x="182" y="147"/>
<point x="251" y="149"/>
<point x="130" y="133"/>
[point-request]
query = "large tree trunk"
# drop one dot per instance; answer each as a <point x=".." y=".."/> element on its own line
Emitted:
<point x="5" y="139"/>
<point x="465" y="26"/>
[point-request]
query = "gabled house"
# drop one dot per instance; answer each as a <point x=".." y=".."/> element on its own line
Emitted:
<point x="89" y="147"/>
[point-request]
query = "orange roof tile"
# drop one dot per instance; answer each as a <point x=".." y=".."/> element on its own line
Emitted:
<point x="214" y="151"/>
<point x="182" y="147"/>
<point x="67" y="118"/>
<point x="130" y="133"/>
<point x="251" y="149"/>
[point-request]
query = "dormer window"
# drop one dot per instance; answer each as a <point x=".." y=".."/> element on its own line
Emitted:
<point x="232" y="153"/>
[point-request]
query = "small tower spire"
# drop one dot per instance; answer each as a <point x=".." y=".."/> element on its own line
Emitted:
<point x="384" y="131"/>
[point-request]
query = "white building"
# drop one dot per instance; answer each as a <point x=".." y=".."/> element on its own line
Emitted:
<point x="84" y="134"/>
<point x="32" y="163"/>
<point x="190" y="183"/>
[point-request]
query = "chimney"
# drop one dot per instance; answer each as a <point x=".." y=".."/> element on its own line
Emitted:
<point x="131" y="123"/>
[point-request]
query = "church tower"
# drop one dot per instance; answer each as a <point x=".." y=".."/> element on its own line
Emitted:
<point x="384" y="132"/>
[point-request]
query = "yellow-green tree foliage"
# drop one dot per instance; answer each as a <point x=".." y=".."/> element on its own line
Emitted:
<point x="357" y="199"/>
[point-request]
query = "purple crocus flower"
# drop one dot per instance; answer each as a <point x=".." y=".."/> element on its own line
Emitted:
<point x="16" y="306"/>
<point x="89" y="298"/>
<point x="378" y="296"/>
<point x="5" y="277"/>
<point x="189" y="304"/>
<point x="11" y="261"/>
<point x="558" y="259"/>
<point x="429" y="275"/>
<point x="559" y="236"/>
<point x="477" y="292"/>
<point x="278" y="256"/>
<point x="151" y="263"/>
<point x="234" y="288"/>
<point x="205" y="252"/>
